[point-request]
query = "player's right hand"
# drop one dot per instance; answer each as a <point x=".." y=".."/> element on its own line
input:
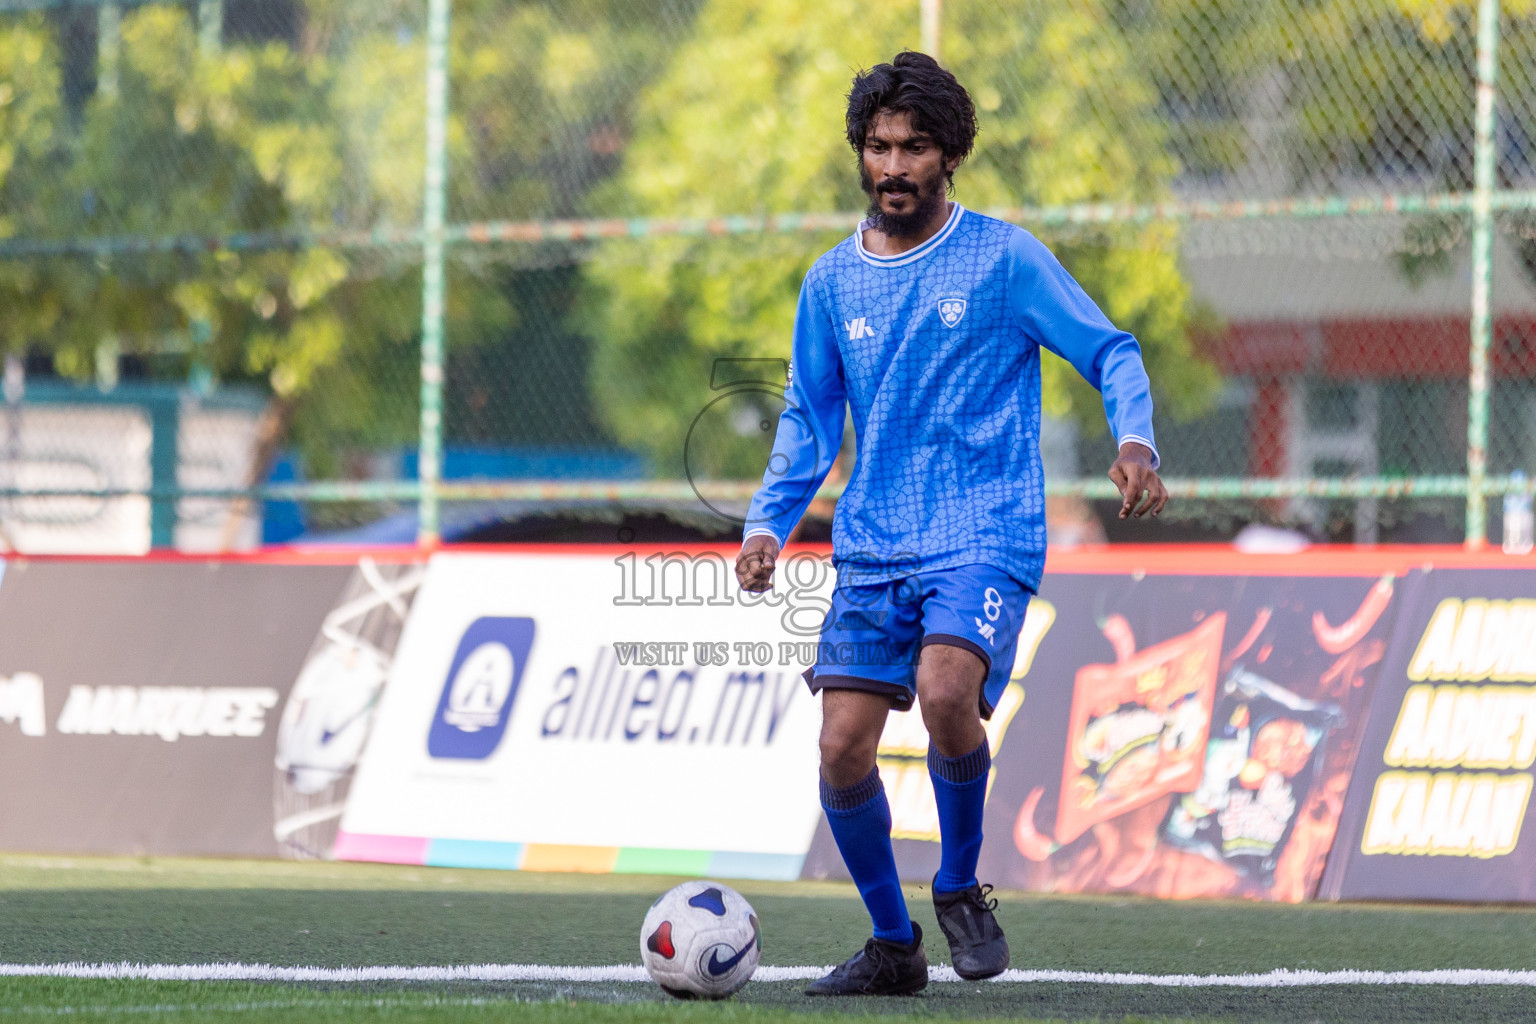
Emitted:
<point x="754" y="566"/>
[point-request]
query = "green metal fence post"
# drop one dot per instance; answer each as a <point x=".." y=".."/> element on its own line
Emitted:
<point x="1484" y="160"/>
<point x="164" y="459"/>
<point x="434" y="205"/>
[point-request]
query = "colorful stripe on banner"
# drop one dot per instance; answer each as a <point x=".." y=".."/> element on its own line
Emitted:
<point x="476" y="853"/>
<point x="380" y="849"/>
<point x="594" y="860"/>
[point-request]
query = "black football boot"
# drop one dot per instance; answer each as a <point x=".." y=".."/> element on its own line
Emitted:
<point x="879" y="969"/>
<point x="977" y="946"/>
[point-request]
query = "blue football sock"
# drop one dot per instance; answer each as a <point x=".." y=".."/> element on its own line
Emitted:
<point x="860" y="817"/>
<point x="960" y="790"/>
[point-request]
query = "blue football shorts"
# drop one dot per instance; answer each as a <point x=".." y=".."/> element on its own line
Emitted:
<point x="873" y="635"/>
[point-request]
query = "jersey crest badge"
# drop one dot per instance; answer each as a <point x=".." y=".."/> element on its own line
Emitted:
<point x="951" y="310"/>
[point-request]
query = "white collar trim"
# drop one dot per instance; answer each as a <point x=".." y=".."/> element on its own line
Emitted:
<point x="956" y="211"/>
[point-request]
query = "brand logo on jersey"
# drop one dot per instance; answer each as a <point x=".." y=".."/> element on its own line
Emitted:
<point x="477" y="697"/>
<point x="859" y="328"/>
<point x="951" y="310"/>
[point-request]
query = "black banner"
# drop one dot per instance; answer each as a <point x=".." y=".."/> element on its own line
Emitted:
<point x="140" y="702"/>
<point x="1439" y="804"/>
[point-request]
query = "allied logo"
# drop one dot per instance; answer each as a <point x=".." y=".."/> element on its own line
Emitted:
<point x="951" y="311"/>
<point x="478" y="694"/>
<point x="859" y="328"/>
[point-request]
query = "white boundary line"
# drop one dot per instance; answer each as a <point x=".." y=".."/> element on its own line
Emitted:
<point x="628" y="973"/>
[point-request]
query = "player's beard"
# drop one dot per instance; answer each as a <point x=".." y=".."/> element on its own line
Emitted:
<point x="929" y="197"/>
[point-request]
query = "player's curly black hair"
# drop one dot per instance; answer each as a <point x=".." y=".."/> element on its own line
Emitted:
<point x="915" y="83"/>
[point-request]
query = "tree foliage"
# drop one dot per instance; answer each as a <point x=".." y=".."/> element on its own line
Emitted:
<point x="666" y="108"/>
<point x="748" y="119"/>
<point x="30" y="104"/>
<point x="206" y="145"/>
<point x="318" y="131"/>
<point x="1346" y="91"/>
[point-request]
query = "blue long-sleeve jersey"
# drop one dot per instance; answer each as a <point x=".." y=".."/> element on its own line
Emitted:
<point x="936" y="351"/>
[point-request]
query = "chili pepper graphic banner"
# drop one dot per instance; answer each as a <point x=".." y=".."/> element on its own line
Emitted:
<point x="1168" y="735"/>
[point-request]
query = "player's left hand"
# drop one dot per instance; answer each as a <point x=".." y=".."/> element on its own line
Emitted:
<point x="1140" y="486"/>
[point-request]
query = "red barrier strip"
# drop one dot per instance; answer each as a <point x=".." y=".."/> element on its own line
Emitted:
<point x="1158" y="559"/>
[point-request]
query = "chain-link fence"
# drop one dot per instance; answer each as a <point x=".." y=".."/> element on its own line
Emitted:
<point x="284" y="267"/>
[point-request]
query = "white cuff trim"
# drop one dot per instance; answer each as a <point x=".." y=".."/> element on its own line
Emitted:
<point x="1138" y="439"/>
<point x="761" y="531"/>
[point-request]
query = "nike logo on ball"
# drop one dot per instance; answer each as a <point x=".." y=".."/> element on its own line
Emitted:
<point x="717" y="967"/>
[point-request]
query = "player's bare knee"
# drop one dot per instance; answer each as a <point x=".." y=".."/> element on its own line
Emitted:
<point x="942" y="704"/>
<point x="953" y="722"/>
<point x="949" y="694"/>
<point x="847" y="755"/>
<point x="948" y="684"/>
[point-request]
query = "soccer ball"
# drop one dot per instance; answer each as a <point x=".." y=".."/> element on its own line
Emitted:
<point x="701" y="941"/>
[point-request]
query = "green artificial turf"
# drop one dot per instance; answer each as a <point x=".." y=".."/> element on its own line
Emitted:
<point x="55" y="910"/>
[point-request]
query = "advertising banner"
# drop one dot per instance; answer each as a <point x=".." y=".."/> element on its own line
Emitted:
<point x="1174" y="736"/>
<point x="1439" y="805"/>
<point x="1305" y="731"/>
<point x="140" y="701"/>
<point x="329" y="713"/>
<point x="602" y="713"/>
